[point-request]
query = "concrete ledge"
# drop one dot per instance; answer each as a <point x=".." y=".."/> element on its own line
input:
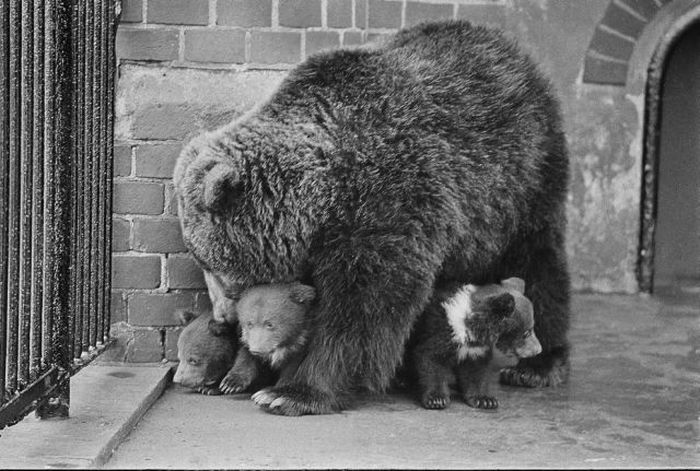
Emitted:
<point x="107" y="400"/>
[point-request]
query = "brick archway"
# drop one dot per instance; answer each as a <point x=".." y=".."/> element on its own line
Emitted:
<point x="611" y="48"/>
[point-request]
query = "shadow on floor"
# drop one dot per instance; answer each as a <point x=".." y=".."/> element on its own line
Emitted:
<point x="633" y="400"/>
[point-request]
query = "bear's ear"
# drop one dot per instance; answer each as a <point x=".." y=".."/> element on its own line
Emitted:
<point x="222" y="187"/>
<point x="221" y="329"/>
<point x="302" y="294"/>
<point x="501" y="305"/>
<point x="517" y="284"/>
<point x="184" y="317"/>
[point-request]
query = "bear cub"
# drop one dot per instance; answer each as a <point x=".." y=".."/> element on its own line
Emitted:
<point x="457" y="334"/>
<point x="274" y="326"/>
<point x="205" y="356"/>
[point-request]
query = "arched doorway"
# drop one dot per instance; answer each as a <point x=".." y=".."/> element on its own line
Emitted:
<point x="677" y="237"/>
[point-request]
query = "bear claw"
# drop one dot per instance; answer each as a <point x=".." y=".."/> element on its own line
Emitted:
<point x="209" y="390"/>
<point x="481" y="402"/>
<point x="294" y="400"/>
<point x="531" y="378"/>
<point x="435" y="401"/>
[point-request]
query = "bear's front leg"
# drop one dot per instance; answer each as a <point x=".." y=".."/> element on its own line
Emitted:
<point x="367" y="305"/>
<point x="242" y="374"/>
<point x="472" y="375"/>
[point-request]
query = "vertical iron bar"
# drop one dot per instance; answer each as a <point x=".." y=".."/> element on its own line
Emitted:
<point x="57" y="406"/>
<point x="79" y="139"/>
<point x="49" y="178"/>
<point x="4" y="169"/>
<point x="25" y="273"/>
<point x="95" y="159"/>
<point x="102" y="243"/>
<point x="111" y="67"/>
<point x="87" y="181"/>
<point x="38" y="202"/>
<point x="15" y="137"/>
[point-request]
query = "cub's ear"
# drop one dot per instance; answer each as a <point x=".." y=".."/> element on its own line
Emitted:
<point x="222" y="187"/>
<point x="184" y="317"/>
<point x="501" y="305"/>
<point x="302" y="294"/>
<point x="517" y="284"/>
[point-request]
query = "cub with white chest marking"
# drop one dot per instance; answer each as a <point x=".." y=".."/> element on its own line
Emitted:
<point x="273" y="321"/>
<point x="457" y="333"/>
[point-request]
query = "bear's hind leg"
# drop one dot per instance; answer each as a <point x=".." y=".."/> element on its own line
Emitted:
<point x="542" y="264"/>
<point x="433" y="380"/>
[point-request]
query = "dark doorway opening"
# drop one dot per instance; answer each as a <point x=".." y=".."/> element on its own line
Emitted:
<point x="677" y="234"/>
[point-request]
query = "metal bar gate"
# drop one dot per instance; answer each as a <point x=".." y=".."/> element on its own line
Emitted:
<point x="57" y="66"/>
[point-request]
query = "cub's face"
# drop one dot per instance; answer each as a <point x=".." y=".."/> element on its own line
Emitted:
<point x="517" y="333"/>
<point x="204" y="357"/>
<point x="273" y="319"/>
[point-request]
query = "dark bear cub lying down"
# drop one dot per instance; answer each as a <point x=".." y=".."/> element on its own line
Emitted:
<point x="273" y="323"/>
<point x="205" y="356"/>
<point x="457" y="333"/>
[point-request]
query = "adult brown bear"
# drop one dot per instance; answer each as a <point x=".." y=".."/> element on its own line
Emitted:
<point x="375" y="174"/>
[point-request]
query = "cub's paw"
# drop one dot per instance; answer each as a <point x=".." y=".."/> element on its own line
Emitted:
<point x="234" y="383"/>
<point x="481" y="402"/>
<point x="295" y="399"/>
<point x="209" y="390"/>
<point x="533" y="377"/>
<point x="435" y="400"/>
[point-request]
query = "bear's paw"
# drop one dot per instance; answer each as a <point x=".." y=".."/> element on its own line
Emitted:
<point x="481" y="401"/>
<point x="295" y="400"/>
<point x="435" y="400"/>
<point x="534" y="375"/>
<point x="234" y="383"/>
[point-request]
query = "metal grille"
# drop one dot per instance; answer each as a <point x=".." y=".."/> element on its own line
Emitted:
<point x="57" y="68"/>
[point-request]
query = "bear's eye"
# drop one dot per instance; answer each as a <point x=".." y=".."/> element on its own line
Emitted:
<point x="249" y="325"/>
<point x="193" y="361"/>
<point x="268" y="325"/>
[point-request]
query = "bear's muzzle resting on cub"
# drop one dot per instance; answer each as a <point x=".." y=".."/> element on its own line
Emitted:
<point x="374" y="174"/>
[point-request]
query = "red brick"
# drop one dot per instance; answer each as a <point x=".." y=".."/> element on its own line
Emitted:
<point x="138" y="198"/>
<point x="611" y="45"/>
<point x="597" y="70"/>
<point x="203" y="303"/>
<point x="377" y="37"/>
<point x="417" y="12"/>
<point x="171" y="337"/>
<point x="117" y="307"/>
<point x="156" y="309"/>
<point x="384" y="14"/>
<point x="147" y="44"/>
<point x="146" y="346"/>
<point x="163" y="121"/>
<point x="321" y="40"/>
<point x="300" y="13"/>
<point x="132" y="11"/>
<point x="269" y="47"/>
<point x="170" y="200"/>
<point x="157" y="160"/>
<point x="339" y="13"/>
<point x="121" y="231"/>
<point x="645" y="8"/>
<point x="492" y="15"/>
<point x="184" y="273"/>
<point x="130" y="272"/>
<point x="244" y="12"/>
<point x="178" y="12"/>
<point x="352" y="38"/>
<point x="160" y="235"/>
<point x="215" y="46"/>
<point x="361" y="14"/>
<point x="620" y="20"/>
<point x="122" y="160"/>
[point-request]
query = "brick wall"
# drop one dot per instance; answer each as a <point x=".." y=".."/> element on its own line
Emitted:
<point x="190" y="65"/>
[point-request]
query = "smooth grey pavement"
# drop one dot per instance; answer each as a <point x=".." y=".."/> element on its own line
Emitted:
<point x="633" y="400"/>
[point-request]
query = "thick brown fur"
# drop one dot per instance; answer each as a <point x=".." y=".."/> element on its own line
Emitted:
<point x="457" y="333"/>
<point x="375" y="173"/>
<point x="274" y="322"/>
<point x="204" y="356"/>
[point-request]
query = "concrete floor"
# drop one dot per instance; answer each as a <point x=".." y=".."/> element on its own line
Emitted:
<point x="633" y="400"/>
